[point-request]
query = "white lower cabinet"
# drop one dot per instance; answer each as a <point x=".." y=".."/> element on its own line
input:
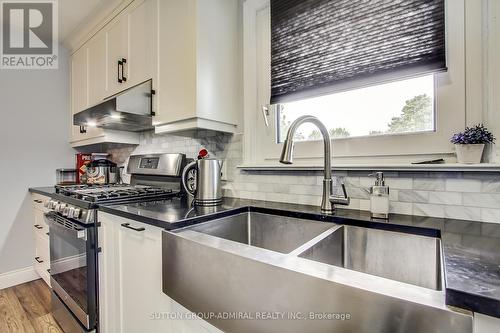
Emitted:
<point x="190" y="324"/>
<point x="41" y="257"/>
<point x="130" y="282"/>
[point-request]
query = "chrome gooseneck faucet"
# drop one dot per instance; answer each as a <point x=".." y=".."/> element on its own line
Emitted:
<point x="329" y="200"/>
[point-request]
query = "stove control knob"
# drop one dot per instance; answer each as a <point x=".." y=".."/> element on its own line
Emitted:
<point x="51" y="204"/>
<point x="71" y="211"/>
<point x="65" y="211"/>
<point x="76" y="213"/>
<point x="60" y="208"/>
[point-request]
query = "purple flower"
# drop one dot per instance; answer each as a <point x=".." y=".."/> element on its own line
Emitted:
<point x="475" y="135"/>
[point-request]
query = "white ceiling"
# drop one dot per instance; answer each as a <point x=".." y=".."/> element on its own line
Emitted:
<point x="74" y="13"/>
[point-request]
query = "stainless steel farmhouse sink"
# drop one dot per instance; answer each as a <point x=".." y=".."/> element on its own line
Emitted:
<point x="260" y="272"/>
<point x="272" y="232"/>
<point x="402" y="257"/>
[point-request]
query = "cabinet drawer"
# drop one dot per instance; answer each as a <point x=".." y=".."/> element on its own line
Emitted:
<point x="39" y="201"/>
<point x="40" y="226"/>
<point x="41" y="260"/>
<point x="42" y="252"/>
<point x="42" y="270"/>
<point x="41" y="229"/>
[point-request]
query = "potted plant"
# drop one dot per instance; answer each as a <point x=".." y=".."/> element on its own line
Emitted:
<point x="470" y="143"/>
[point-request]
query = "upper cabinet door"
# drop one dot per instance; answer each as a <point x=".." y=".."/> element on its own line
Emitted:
<point x="79" y="80"/>
<point x="97" y="68"/>
<point x="117" y="49"/>
<point x="79" y="88"/>
<point x="143" y="32"/>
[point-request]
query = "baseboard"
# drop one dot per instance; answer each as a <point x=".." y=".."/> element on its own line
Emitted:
<point x="69" y="263"/>
<point x="18" y="276"/>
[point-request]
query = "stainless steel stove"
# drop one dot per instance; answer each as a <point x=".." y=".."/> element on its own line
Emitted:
<point x="73" y="234"/>
<point x="153" y="177"/>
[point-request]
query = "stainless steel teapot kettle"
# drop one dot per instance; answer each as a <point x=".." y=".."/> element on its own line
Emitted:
<point x="202" y="180"/>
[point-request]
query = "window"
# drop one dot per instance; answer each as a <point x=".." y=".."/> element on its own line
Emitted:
<point x="425" y="137"/>
<point x="399" y="107"/>
<point x="324" y="46"/>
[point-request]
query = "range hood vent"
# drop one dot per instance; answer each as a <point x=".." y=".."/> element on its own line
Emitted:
<point x="130" y="110"/>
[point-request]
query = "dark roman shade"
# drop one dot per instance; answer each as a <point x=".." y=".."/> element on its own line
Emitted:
<point x="322" y="46"/>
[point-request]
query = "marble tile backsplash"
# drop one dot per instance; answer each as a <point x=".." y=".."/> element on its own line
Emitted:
<point x="457" y="195"/>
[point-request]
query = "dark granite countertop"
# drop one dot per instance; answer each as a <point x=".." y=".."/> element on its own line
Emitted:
<point x="47" y="190"/>
<point x="471" y="249"/>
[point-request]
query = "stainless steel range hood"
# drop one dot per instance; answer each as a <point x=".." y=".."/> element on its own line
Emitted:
<point x="130" y="110"/>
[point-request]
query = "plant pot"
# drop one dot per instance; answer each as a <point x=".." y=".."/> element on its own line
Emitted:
<point x="469" y="154"/>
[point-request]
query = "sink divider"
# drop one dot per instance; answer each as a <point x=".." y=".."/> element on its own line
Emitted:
<point x="306" y="246"/>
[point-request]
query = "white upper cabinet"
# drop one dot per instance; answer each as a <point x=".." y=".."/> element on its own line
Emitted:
<point x="79" y="80"/>
<point x="131" y="47"/>
<point x="95" y="77"/>
<point x="98" y="85"/>
<point x="79" y="89"/>
<point x="190" y="49"/>
<point x="80" y="96"/>
<point x="199" y="65"/>
<point x="88" y="88"/>
<point x="143" y="34"/>
<point x="117" y="55"/>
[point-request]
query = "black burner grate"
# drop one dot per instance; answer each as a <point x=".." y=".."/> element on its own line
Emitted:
<point x="112" y="193"/>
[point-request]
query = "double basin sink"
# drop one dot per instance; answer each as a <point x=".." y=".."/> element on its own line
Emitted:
<point x="314" y="276"/>
<point x="397" y="256"/>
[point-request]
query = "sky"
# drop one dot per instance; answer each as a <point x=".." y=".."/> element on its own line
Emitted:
<point x="363" y="110"/>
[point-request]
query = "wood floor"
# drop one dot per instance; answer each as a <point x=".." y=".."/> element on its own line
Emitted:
<point x="26" y="308"/>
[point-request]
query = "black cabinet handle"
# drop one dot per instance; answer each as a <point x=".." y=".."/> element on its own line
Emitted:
<point x="38" y="201"/>
<point x="83" y="130"/>
<point x="38" y="226"/>
<point x="47" y="234"/>
<point x="124" y="78"/>
<point x="48" y="271"/>
<point x="120" y="65"/>
<point x="127" y="225"/>
<point x="38" y="260"/>
<point x="153" y="92"/>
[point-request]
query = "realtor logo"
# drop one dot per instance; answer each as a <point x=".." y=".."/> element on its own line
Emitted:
<point x="29" y="35"/>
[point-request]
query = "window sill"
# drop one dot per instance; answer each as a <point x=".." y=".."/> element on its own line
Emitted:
<point x="445" y="167"/>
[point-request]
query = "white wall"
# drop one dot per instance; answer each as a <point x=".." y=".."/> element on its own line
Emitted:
<point x="34" y="135"/>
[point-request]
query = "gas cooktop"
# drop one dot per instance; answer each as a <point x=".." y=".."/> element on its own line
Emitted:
<point x="114" y="193"/>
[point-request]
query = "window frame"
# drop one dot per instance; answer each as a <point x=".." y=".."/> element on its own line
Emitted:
<point x="277" y="111"/>
<point x="260" y="147"/>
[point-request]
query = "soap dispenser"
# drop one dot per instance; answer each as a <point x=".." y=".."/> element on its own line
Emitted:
<point x="379" y="197"/>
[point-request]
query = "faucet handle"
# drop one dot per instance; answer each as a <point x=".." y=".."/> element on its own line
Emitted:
<point x="336" y="200"/>
<point x="344" y="200"/>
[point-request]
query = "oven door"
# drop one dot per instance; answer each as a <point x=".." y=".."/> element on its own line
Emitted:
<point x="73" y="267"/>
